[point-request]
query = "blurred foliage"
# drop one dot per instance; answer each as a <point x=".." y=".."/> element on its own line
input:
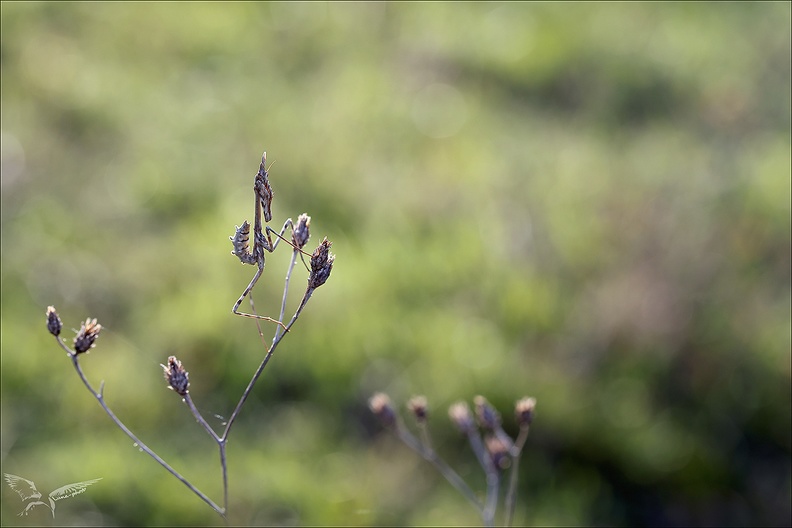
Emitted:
<point x="588" y="204"/>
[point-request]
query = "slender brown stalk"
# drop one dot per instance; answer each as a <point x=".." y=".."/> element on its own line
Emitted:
<point x="495" y="452"/>
<point x="431" y="456"/>
<point x="99" y="395"/>
<point x="516" y="453"/>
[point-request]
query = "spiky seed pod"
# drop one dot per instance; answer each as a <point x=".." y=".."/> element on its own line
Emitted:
<point x="488" y="417"/>
<point x="54" y="324"/>
<point x="241" y="243"/>
<point x="178" y="378"/>
<point x="418" y="407"/>
<point x="89" y="332"/>
<point x="321" y="264"/>
<point x="459" y="413"/>
<point x="380" y="405"/>
<point x="301" y="233"/>
<point x="524" y="411"/>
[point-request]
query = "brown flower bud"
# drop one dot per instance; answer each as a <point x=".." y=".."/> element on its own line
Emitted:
<point x="380" y="405"/>
<point x="418" y="406"/>
<point x="321" y="264"/>
<point x="54" y="323"/>
<point x="524" y="410"/>
<point x="459" y="413"/>
<point x="89" y="332"/>
<point x="301" y="232"/>
<point x="498" y="451"/>
<point x="488" y="417"/>
<point x="178" y="378"/>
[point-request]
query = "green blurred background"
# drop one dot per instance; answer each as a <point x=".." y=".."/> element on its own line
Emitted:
<point x="588" y="204"/>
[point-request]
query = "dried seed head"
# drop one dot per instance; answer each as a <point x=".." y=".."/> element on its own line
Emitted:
<point x="524" y="410"/>
<point x="498" y="451"/>
<point x="85" y="338"/>
<point x="241" y="242"/>
<point x="488" y="417"/>
<point x="380" y="405"/>
<point x="300" y="232"/>
<point x="263" y="190"/>
<point x="418" y="406"/>
<point x="54" y="323"/>
<point x="459" y="413"/>
<point x="321" y="264"/>
<point x="178" y="378"/>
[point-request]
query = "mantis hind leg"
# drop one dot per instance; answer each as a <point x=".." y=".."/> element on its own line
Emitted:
<point x="245" y="293"/>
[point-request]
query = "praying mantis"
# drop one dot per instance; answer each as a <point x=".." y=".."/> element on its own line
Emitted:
<point x="262" y="239"/>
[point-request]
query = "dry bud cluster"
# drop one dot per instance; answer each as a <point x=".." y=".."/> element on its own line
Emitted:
<point x="418" y="407"/>
<point x="301" y="232"/>
<point x="85" y="338"/>
<point x="89" y="332"/>
<point x="460" y="415"/>
<point x="178" y="378"/>
<point x="321" y="264"/>
<point x="488" y="418"/>
<point x="54" y="324"/>
<point x="524" y="409"/>
<point x="496" y="451"/>
<point x="380" y="405"/>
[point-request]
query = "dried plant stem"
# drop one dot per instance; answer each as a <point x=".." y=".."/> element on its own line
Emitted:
<point x="286" y="290"/>
<point x="99" y="395"/>
<point x="481" y="453"/>
<point x="224" y="469"/>
<point x="431" y="456"/>
<point x="221" y="440"/>
<point x="493" y="485"/>
<point x="493" y="479"/>
<point x="494" y="450"/>
<point x="425" y="438"/>
<point x="516" y="453"/>
<point x="270" y="351"/>
<point x="505" y="439"/>
<point x="199" y="418"/>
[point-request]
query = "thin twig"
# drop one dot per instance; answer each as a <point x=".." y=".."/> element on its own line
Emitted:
<point x="224" y="467"/>
<point x="425" y="437"/>
<point x="491" y="473"/>
<point x="430" y="455"/>
<point x="199" y="418"/>
<point x="493" y="485"/>
<point x="286" y="290"/>
<point x="277" y="339"/>
<point x="478" y="448"/>
<point x="515" y="453"/>
<point x="100" y="398"/>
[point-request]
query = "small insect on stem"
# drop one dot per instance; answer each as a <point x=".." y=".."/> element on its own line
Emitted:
<point x="262" y="240"/>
